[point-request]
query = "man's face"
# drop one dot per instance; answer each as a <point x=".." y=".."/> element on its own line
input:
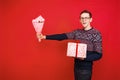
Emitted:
<point x="85" y="20"/>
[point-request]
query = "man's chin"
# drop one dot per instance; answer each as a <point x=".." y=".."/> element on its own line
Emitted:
<point x="84" y="26"/>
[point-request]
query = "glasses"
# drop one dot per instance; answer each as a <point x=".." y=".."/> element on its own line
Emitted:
<point x="86" y="18"/>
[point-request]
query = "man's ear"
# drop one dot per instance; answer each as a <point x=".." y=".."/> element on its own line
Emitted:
<point x="91" y="19"/>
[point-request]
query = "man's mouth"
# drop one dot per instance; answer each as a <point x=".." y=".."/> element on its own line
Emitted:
<point x="84" y="23"/>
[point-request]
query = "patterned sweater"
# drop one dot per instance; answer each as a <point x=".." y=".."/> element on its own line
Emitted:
<point x="90" y="37"/>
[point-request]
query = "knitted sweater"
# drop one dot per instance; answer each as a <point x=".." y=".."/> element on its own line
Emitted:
<point x="90" y="37"/>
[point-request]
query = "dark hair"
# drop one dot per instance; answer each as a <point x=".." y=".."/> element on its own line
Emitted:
<point x="86" y="11"/>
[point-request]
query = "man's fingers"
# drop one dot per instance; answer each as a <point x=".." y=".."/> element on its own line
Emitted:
<point x="40" y="36"/>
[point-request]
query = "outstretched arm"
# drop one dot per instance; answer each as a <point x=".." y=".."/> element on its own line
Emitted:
<point x="53" y="37"/>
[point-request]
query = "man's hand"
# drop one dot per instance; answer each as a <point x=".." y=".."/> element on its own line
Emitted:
<point x="81" y="58"/>
<point x="40" y="36"/>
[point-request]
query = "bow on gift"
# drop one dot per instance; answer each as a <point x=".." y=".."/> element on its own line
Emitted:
<point x="38" y="24"/>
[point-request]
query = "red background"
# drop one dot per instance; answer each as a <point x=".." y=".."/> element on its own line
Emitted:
<point x="22" y="57"/>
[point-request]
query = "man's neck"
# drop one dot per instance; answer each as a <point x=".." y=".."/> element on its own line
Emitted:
<point x="88" y="28"/>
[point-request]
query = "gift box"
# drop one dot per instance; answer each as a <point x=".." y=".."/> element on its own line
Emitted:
<point x="38" y="24"/>
<point x="77" y="50"/>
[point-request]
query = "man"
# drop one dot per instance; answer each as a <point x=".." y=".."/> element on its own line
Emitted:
<point x="87" y="35"/>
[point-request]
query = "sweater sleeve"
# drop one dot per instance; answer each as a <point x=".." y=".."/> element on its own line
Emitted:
<point x="59" y="37"/>
<point x="93" y="56"/>
<point x="96" y="54"/>
<point x="97" y="42"/>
